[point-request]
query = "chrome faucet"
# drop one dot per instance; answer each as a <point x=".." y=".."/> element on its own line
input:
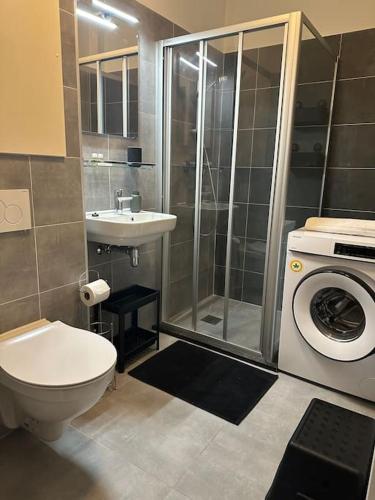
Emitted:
<point x="120" y="198"/>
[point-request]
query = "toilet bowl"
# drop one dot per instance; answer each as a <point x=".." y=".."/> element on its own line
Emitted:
<point x="50" y="375"/>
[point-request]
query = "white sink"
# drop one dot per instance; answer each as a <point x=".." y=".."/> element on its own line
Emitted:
<point x="126" y="228"/>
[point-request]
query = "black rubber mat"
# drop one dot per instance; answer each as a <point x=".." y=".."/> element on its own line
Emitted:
<point x="215" y="383"/>
<point x="328" y="457"/>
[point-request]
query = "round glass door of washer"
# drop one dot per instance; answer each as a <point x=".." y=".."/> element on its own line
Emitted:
<point x="334" y="311"/>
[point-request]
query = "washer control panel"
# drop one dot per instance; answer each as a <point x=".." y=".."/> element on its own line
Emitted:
<point x="15" y="213"/>
<point x="359" y="251"/>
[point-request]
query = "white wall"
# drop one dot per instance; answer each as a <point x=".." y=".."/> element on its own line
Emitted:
<point x="329" y="16"/>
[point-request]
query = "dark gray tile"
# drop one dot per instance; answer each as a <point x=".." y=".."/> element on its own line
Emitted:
<point x="61" y="254"/>
<point x="183" y="142"/>
<point x="65" y="305"/>
<point x="181" y="260"/>
<point x="304" y="186"/>
<point x="113" y="118"/>
<point x="235" y="283"/>
<point x="122" y="178"/>
<point x="263" y="148"/>
<point x="57" y="190"/>
<point x="260" y="185"/>
<point x="309" y="145"/>
<point x="18" y="272"/>
<point x="94" y="143"/>
<point x="246" y="111"/>
<point x="71" y="122"/>
<point x="118" y="147"/>
<point x="244" y="142"/>
<point x="350" y="189"/>
<point x="249" y="69"/>
<point x="180" y="296"/>
<point x="69" y="61"/>
<point x="316" y="64"/>
<point x="184" y="230"/>
<point x="355" y="101"/>
<point x="255" y="254"/>
<point x="14" y="172"/>
<point x="257" y="221"/>
<point x="18" y="313"/>
<point x="352" y="146"/>
<point x="184" y="100"/>
<point x="237" y="251"/>
<point x="182" y="185"/>
<point x="94" y="259"/>
<point x="230" y="70"/>
<point x="96" y="188"/>
<point x="253" y="288"/>
<point x="221" y="250"/>
<point x="348" y="214"/>
<point x="313" y="104"/>
<point x="295" y="217"/>
<point x="357" y="56"/>
<point x="266" y="107"/>
<point x="239" y="220"/>
<point x="226" y="139"/>
<point x="269" y="66"/>
<point x="241" y="184"/>
<point x="227" y="109"/>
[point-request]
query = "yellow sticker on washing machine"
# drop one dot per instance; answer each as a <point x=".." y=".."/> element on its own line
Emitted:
<point x="296" y="265"/>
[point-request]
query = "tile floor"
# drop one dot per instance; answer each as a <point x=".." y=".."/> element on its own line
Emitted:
<point x="244" y="321"/>
<point x="140" y="443"/>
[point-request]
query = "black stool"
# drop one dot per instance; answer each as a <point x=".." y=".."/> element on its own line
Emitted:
<point x="328" y="457"/>
<point x="130" y="341"/>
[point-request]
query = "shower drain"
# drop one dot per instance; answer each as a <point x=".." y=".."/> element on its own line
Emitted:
<point x="212" y="320"/>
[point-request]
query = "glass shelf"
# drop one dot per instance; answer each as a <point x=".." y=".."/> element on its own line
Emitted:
<point x="113" y="163"/>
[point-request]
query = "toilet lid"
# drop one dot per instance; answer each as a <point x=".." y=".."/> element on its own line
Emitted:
<point x="57" y="355"/>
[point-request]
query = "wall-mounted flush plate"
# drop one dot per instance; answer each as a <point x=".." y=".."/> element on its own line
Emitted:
<point x="15" y="213"/>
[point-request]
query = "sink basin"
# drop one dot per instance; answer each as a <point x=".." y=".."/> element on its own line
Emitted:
<point x="126" y="228"/>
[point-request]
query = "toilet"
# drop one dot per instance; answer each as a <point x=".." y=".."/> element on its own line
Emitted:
<point x="50" y="374"/>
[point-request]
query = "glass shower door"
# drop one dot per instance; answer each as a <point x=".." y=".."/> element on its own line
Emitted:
<point x="229" y="109"/>
<point x="181" y="100"/>
<point x="252" y="180"/>
<point x="212" y="205"/>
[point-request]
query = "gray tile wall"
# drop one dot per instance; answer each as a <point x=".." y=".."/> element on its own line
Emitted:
<point x="40" y="268"/>
<point x="100" y="183"/>
<point x="349" y="190"/>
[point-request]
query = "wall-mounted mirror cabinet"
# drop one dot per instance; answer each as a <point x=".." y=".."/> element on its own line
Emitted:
<point x="109" y="92"/>
<point x="108" y="67"/>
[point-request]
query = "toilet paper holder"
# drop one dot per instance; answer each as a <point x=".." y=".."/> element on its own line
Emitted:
<point x="100" y="327"/>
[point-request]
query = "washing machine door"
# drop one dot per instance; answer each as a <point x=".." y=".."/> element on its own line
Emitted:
<point x="334" y="311"/>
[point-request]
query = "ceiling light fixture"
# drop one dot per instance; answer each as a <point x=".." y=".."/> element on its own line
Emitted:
<point x="96" y="19"/>
<point x="188" y="63"/>
<point x="208" y="60"/>
<point x="116" y="12"/>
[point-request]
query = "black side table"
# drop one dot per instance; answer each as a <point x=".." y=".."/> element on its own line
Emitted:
<point x="134" y="339"/>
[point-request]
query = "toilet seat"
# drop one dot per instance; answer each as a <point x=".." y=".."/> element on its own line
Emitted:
<point x="56" y="356"/>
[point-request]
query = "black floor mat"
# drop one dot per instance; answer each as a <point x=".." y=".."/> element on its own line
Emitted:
<point x="215" y="383"/>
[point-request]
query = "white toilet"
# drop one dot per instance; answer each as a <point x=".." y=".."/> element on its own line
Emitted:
<point x="50" y="375"/>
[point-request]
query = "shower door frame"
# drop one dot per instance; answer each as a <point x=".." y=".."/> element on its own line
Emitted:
<point x="293" y="24"/>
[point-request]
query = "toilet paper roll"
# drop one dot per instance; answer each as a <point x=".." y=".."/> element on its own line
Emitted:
<point x="94" y="292"/>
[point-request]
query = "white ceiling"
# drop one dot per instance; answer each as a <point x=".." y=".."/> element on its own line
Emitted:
<point x="329" y="16"/>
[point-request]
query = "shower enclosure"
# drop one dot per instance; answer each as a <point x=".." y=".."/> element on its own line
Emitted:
<point x="244" y="134"/>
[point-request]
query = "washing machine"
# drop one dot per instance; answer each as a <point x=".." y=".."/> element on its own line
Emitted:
<point x="328" y="313"/>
